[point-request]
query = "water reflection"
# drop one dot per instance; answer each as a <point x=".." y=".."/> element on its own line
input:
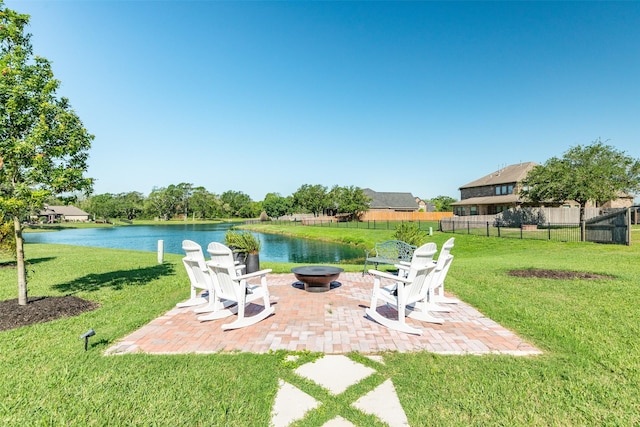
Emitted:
<point x="275" y="248"/>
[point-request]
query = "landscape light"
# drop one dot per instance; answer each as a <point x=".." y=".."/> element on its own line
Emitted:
<point x="86" y="336"/>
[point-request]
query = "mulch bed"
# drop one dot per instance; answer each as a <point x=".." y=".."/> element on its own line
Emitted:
<point x="557" y="274"/>
<point x="40" y="310"/>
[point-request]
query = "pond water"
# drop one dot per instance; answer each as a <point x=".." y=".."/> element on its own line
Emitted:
<point x="275" y="247"/>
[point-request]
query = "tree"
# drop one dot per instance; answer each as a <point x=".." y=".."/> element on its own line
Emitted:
<point x="131" y="204"/>
<point x="204" y="204"/>
<point x="350" y="200"/>
<point x="443" y="203"/>
<point x="186" y="190"/>
<point x="163" y="202"/>
<point x="43" y="143"/>
<point x="594" y="173"/>
<point x="236" y="203"/>
<point x="311" y="198"/>
<point x="250" y="210"/>
<point x="276" y="206"/>
<point x="103" y="206"/>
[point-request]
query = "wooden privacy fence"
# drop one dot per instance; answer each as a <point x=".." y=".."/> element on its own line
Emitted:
<point x="614" y="227"/>
<point x="404" y="216"/>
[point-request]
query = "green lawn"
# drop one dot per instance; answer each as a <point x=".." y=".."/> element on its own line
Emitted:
<point x="588" y="329"/>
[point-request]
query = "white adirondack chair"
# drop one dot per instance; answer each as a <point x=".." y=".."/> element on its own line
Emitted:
<point x="219" y="254"/>
<point x="442" y="268"/>
<point x="233" y="288"/>
<point x="403" y="295"/>
<point x="222" y="254"/>
<point x="423" y="256"/>
<point x="199" y="279"/>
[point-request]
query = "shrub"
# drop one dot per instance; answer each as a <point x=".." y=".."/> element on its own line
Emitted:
<point x="520" y="216"/>
<point x="7" y="239"/>
<point x="410" y="233"/>
<point x="242" y="241"/>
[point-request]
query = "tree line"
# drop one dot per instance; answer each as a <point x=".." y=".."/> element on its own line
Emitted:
<point x="196" y="202"/>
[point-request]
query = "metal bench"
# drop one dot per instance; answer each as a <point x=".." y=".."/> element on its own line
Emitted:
<point x="389" y="252"/>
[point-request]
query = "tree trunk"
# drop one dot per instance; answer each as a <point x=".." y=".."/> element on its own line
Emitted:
<point x="20" y="265"/>
<point x="583" y="230"/>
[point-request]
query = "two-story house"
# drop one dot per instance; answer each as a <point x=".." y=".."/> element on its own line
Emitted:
<point x="493" y="193"/>
<point x="499" y="190"/>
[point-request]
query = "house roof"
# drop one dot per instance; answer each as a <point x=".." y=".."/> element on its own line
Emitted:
<point x="63" y="210"/>
<point x="506" y="199"/>
<point x="506" y="175"/>
<point x="386" y="200"/>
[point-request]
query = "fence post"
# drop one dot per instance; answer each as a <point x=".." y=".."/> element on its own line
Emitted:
<point x="549" y="230"/>
<point x="468" y="227"/>
<point x="487" y="228"/>
<point x="160" y="251"/>
<point x="628" y="226"/>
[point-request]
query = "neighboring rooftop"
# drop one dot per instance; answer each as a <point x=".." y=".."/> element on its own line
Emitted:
<point x="390" y="200"/>
<point x="63" y="210"/>
<point x="508" y="174"/>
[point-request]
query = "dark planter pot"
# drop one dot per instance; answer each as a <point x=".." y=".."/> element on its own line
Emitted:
<point x="252" y="262"/>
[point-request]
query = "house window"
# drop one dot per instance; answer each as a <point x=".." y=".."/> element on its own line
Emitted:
<point x="504" y="189"/>
<point x="473" y="210"/>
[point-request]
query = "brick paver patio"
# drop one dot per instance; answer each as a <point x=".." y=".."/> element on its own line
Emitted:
<point x="331" y="322"/>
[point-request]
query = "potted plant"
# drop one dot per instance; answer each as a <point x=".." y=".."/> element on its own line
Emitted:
<point x="247" y="246"/>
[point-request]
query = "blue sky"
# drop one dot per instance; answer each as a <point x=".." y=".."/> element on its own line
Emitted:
<point x="260" y="97"/>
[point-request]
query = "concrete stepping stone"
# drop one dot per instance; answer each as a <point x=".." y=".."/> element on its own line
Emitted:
<point x="383" y="402"/>
<point x="336" y="373"/>
<point x="291" y="404"/>
<point x="338" y="422"/>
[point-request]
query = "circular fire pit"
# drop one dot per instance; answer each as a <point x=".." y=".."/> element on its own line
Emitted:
<point x="317" y="278"/>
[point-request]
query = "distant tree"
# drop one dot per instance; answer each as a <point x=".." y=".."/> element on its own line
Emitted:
<point x="251" y="210"/>
<point x="276" y="206"/>
<point x="443" y="203"/>
<point x="236" y="204"/>
<point x="43" y="143"/>
<point x="593" y="173"/>
<point x="204" y="204"/>
<point x="310" y="198"/>
<point x="162" y="202"/>
<point x="349" y="200"/>
<point x="103" y="206"/>
<point x="131" y="204"/>
<point x="63" y="199"/>
<point x="186" y="190"/>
